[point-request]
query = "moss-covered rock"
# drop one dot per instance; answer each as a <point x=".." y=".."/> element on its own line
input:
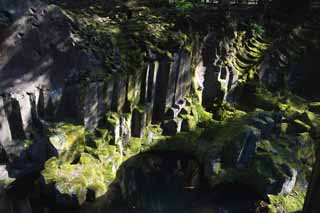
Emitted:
<point x="298" y="126"/>
<point x="5" y="179"/>
<point x="188" y="123"/>
<point x="289" y="203"/>
<point x="314" y="107"/>
<point x="76" y="179"/>
<point x="121" y="41"/>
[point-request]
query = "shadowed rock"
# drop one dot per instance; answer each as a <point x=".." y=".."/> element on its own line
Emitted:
<point x="138" y="123"/>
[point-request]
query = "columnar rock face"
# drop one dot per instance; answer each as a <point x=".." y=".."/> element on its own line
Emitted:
<point x="62" y="99"/>
<point x="164" y="90"/>
<point x="46" y="78"/>
<point x="138" y="123"/>
<point x="36" y="52"/>
<point x="212" y="88"/>
<point x="72" y="103"/>
<point x="173" y="83"/>
<point x="34" y="84"/>
<point x="119" y="94"/>
<point x="5" y="133"/>
<point x="95" y="105"/>
<point x="184" y="77"/>
<point x="219" y="75"/>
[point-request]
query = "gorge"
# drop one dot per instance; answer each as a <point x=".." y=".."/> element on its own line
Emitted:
<point x="159" y="106"/>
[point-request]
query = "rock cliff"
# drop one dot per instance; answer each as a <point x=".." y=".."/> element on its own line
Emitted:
<point x="91" y="92"/>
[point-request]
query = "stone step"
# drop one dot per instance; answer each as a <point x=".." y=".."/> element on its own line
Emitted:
<point x="246" y="58"/>
<point x="250" y="48"/>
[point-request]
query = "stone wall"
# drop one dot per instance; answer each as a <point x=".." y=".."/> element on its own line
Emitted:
<point x="41" y="81"/>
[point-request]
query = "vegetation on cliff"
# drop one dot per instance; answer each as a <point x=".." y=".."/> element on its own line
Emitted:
<point x="187" y="78"/>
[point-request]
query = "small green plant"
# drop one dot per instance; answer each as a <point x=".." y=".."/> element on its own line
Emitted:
<point x="258" y="29"/>
<point x="183" y="5"/>
<point x="186" y="5"/>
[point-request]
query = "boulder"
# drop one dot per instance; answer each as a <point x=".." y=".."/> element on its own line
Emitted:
<point x="284" y="127"/>
<point x="172" y="113"/>
<point x="298" y="126"/>
<point x="314" y="107"/>
<point x="171" y="127"/>
<point x="290" y="180"/>
<point x="188" y="123"/>
<point x="250" y="138"/>
<point x="5" y="179"/>
<point x="25" y="160"/>
<point x="265" y="125"/>
<point x="9" y="205"/>
<point x="186" y="110"/>
<point x="310" y="118"/>
<point x="212" y="167"/>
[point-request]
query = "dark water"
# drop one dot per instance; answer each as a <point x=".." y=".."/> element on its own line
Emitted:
<point x="154" y="183"/>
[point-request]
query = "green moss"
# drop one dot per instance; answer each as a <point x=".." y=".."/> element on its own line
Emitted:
<point x="135" y="145"/>
<point x="264" y="98"/>
<point x="265" y="145"/>
<point x="225" y="112"/>
<point x="189" y="122"/>
<point x="98" y="187"/>
<point x="123" y="42"/>
<point x="112" y="118"/>
<point x="5" y="180"/>
<point x="185" y="142"/>
<point x="313" y="118"/>
<point x="94" y="170"/>
<point x="299" y="126"/>
<point x="27" y="143"/>
<point x="68" y="139"/>
<point x="289" y="203"/>
<point x="217" y="168"/>
<point x="314" y="107"/>
<point x="284" y="128"/>
<point x="75" y="179"/>
<point x="200" y="114"/>
<point x="50" y="172"/>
